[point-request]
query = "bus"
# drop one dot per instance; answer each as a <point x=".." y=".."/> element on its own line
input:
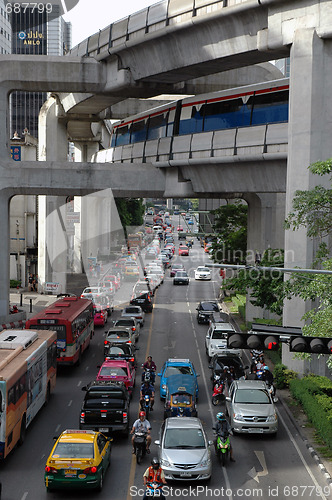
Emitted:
<point x="72" y="319"/>
<point x="27" y="379"/>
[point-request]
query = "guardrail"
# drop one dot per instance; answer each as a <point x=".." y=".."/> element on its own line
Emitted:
<point x="154" y="18"/>
<point x="218" y="144"/>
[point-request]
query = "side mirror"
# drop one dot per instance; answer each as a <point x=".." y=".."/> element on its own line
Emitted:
<point x="211" y="367"/>
<point x="98" y="366"/>
<point x="157" y="442"/>
<point x="159" y="374"/>
<point x="210" y="443"/>
<point x="275" y="399"/>
<point x="84" y="388"/>
<point x="228" y="398"/>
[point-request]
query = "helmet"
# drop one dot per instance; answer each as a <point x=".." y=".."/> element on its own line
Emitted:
<point x="226" y="368"/>
<point x="155" y="463"/>
<point x="142" y="413"/>
<point x="221" y="416"/>
<point x="266" y="368"/>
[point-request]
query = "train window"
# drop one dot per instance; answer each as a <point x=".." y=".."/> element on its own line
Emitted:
<point x="191" y="120"/>
<point x="231" y="113"/>
<point x="270" y="108"/>
<point x="122" y="136"/>
<point x="157" y="126"/>
<point x="138" y="131"/>
<point x="170" y="122"/>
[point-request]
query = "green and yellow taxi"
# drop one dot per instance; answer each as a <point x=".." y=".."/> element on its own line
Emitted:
<point x="79" y="459"/>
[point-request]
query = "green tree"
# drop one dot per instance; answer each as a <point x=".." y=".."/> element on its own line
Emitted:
<point x="130" y="211"/>
<point x="266" y="287"/>
<point x="230" y="244"/>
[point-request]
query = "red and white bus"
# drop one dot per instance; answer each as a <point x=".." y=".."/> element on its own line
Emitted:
<point x="72" y="319"/>
<point x="27" y="378"/>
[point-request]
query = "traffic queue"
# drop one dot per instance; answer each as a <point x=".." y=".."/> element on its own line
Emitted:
<point x="184" y="451"/>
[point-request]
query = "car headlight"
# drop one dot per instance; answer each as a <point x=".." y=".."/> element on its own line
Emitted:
<point x="205" y="463"/>
<point x="164" y="462"/>
<point x="239" y="416"/>
<point x="163" y="386"/>
<point x="272" y="418"/>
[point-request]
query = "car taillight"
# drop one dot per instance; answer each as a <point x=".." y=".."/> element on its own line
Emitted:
<point x="82" y="417"/>
<point x="106" y="342"/>
<point x="51" y="470"/>
<point x="103" y="411"/>
<point x="132" y="359"/>
<point x="90" y="470"/>
<point x="124" y="417"/>
<point x="139" y="317"/>
<point x="129" y="342"/>
<point x="133" y="328"/>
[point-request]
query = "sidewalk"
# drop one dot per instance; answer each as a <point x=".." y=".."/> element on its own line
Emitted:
<point x="31" y="301"/>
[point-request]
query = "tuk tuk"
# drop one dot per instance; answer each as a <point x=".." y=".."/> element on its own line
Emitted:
<point x="180" y="398"/>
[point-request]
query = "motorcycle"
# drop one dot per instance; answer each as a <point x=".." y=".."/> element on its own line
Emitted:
<point x="217" y="395"/>
<point x="140" y="446"/>
<point x="272" y="392"/>
<point x="146" y="406"/>
<point x="154" y="490"/>
<point x="223" y="447"/>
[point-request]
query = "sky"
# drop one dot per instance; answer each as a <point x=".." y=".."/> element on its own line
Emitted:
<point x="89" y="16"/>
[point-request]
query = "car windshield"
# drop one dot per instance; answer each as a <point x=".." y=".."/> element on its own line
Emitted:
<point x="184" y="399"/>
<point x="218" y="335"/>
<point x="181" y="274"/>
<point x="252" y="396"/>
<point x="118" y="351"/>
<point x="209" y="306"/>
<point x="118" y="335"/>
<point x="184" y="438"/>
<point x="113" y="371"/>
<point x="124" y="322"/>
<point x="176" y="370"/>
<point x="73" y="450"/>
<point x="203" y="269"/>
<point x="131" y="310"/>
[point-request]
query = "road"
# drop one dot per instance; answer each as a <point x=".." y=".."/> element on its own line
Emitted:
<point x="265" y="467"/>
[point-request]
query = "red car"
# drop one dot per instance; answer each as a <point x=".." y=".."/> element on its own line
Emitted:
<point x="119" y="371"/>
<point x="100" y="315"/>
<point x="183" y="250"/>
<point x="179" y="228"/>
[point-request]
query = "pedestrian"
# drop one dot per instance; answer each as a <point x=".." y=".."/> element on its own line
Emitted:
<point x="30" y="282"/>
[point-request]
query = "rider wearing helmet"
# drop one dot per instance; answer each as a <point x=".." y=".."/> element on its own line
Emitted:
<point x="141" y="425"/>
<point x="147" y="388"/>
<point x="150" y="367"/>
<point x="154" y="474"/>
<point x="267" y="376"/>
<point x="222" y="425"/>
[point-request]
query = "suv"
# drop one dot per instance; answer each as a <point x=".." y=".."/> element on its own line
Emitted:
<point x="219" y="361"/>
<point x="105" y="408"/>
<point x="251" y="408"/>
<point x="142" y="296"/>
<point x="118" y="334"/>
<point x="216" y="339"/>
<point x="131" y="323"/>
<point x="205" y="310"/>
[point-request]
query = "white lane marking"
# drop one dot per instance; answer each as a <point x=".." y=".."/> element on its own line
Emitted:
<point x="79" y="383"/>
<point x="303" y="460"/>
<point x="24" y="495"/>
<point x="57" y="428"/>
<point x="253" y="473"/>
<point x="70" y="402"/>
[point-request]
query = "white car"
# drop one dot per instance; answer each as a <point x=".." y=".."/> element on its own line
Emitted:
<point x="216" y="339"/>
<point x="94" y="292"/>
<point x="202" y="273"/>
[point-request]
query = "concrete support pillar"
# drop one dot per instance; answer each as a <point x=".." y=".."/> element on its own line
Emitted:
<point x="266" y="215"/>
<point x="4" y="122"/>
<point x="52" y="240"/>
<point x="310" y="125"/>
<point x="4" y="251"/>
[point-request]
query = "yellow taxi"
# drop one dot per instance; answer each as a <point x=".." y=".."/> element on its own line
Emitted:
<point x="131" y="271"/>
<point x="79" y="459"/>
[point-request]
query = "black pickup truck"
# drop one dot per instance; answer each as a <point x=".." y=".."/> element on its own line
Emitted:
<point x="105" y="408"/>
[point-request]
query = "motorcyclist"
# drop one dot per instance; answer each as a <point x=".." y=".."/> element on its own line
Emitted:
<point x="150" y="365"/>
<point x="267" y="376"/>
<point x="226" y="376"/>
<point x="222" y="425"/>
<point x="141" y="425"/>
<point x="154" y="474"/>
<point x="147" y="389"/>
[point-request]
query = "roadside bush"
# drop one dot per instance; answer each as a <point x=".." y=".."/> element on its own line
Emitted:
<point x="314" y="394"/>
<point x="283" y="376"/>
<point x="14" y="283"/>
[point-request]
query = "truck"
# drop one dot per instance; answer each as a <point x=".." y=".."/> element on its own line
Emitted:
<point x="135" y="240"/>
<point x="105" y="408"/>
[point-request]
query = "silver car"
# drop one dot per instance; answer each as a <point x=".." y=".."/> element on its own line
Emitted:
<point x="251" y="408"/>
<point x="184" y="451"/>
<point x="134" y="312"/>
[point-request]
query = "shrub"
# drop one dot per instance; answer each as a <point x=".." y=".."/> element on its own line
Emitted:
<point x="283" y="376"/>
<point x="314" y="394"/>
<point x="14" y="283"/>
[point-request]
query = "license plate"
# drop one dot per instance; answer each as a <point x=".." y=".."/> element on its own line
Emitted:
<point x="103" y="429"/>
<point x="70" y="473"/>
<point x="185" y="474"/>
<point x="256" y="431"/>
